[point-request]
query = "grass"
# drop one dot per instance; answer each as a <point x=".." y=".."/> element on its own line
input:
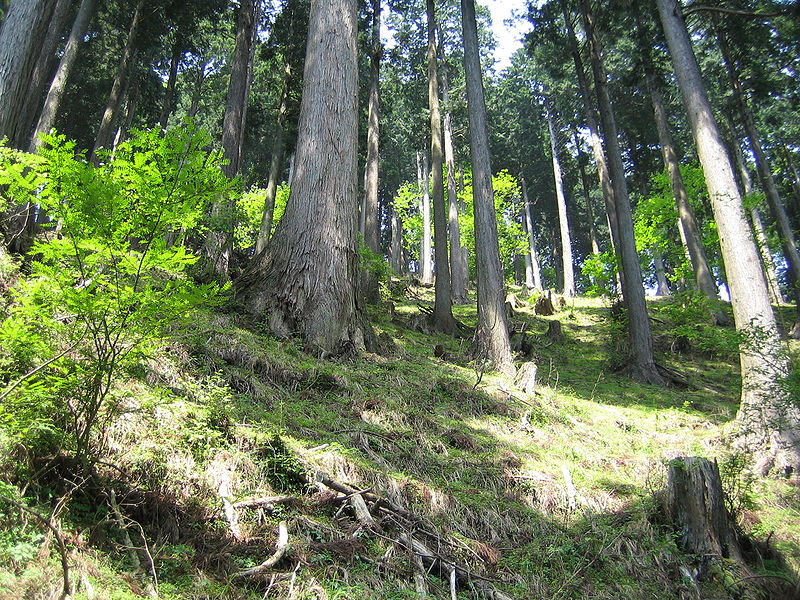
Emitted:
<point x="227" y="407"/>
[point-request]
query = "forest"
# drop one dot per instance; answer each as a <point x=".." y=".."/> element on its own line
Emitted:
<point x="339" y="299"/>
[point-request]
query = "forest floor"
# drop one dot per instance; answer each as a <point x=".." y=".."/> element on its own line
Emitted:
<point x="227" y="433"/>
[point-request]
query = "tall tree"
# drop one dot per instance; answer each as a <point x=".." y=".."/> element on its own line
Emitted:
<point x="305" y="282"/>
<point x="533" y="275"/>
<point x="492" y="332"/>
<point x="426" y="252"/>
<point x="443" y="304"/>
<point x="561" y="202"/>
<point x="369" y="212"/>
<point x="769" y="421"/>
<point x="643" y="365"/>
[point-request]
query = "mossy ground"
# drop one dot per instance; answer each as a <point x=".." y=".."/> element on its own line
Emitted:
<point x="550" y="495"/>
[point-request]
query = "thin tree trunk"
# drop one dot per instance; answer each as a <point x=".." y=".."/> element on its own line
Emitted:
<point x="20" y="40"/>
<point x="533" y="275"/>
<point x="219" y="242"/>
<point x="106" y="129"/>
<point x="595" y="140"/>
<point x="306" y="280"/>
<point x="769" y="422"/>
<point x="443" y="304"/>
<point x="662" y="287"/>
<point x="690" y="231"/>
<point x="586" y="194"/>
<point x="396" y="254"/>
<point x="369" y="280"/>
<point x="492" y="332"/>
<point x="561" y="203"/>
<point x="42" y="73"/>
<point x="458" y="267"/>
<point x="278" y="143"/>
<point x="169" y="92"/>
<point x="59" y="84"/>
<point x="426" y="254"/>
<point x="130" y="114"/>
<point x="641" y="339"/>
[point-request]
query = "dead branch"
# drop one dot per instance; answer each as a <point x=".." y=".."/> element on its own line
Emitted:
<point x="280" y="550"/>
<point x="268" y="502"/>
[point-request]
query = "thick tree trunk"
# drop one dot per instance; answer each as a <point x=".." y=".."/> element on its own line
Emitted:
<point x="443" y="304"/>
<point x="42" y="73"/>
<point x="458" y="266"/>
<point x="561" y="202"/>
<point x="106" y="129"/>
<point x="643" y="365"/>
<point x="769" y="422"/>
<point x="586" y="194"/>
<point x="219" y="242"/>
<point x="785" y="233"/>
<point x="426" y="252"/>
<point x="59" y="84"/>
<point x="369" y="280"/>
<point x="21" y="35"/>
<point x="662" y="285"/>
<point x="687" y="223"/>
<point x="492" y="331"/>
<point x="305" y="282"/>
<point x="533" y="275"/>
<point x="278" y="143"/>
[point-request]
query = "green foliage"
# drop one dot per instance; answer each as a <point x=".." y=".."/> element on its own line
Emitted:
<point x="104" y="292"/>
<point x="373" y="262"/>
<point x="601" y="270"/>
<point x="250" y="208"/>
<point x="691" y="326"/>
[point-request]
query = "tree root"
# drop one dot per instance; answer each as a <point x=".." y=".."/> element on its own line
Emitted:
<point x="280" y="550"/>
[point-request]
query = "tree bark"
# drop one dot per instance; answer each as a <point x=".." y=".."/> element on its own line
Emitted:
<point x="443" y="304"/>
<point x="492" y="332"/>
<point x="20" y="40"/>
<point x="769" y="423"/>
<point x="169" y="92"/>
<point x="59" y="84"/>
<point x="533" y="275"/>
<point x="586" y="194"/>
<point x="458" y="266"/>
<point x="305" y="282"/>
<point x="219" y="242"/>
<point x="106" y="129"/>
<point x="426" y="252"/>
<point x="369" y="280"/>
<point x="643" y="365"/>
<point x="662" y="285"/>
<point x="41" y="73"/>
<point x="561" y="202"/>
<point x="396" y="253"/>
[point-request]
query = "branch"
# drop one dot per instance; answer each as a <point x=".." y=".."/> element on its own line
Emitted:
<point x="280" y="550"/>
<point x="689" y="10"/>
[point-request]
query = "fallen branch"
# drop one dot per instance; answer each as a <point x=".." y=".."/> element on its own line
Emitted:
<point x="280" y="550"/>
<point x="268" y="502"/>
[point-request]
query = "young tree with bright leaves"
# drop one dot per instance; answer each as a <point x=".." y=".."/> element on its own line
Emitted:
<point x="492" y="332"/>
<point x="768" y="420"/>
<point x="305" y="281"/>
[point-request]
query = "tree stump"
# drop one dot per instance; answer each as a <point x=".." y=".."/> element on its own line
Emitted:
<point x="554" y="331"/>
<point x="696" y="506"/>
<point x="526" y="377"/>
<point x="515" y="301"/>
<point x="544" y="304"/>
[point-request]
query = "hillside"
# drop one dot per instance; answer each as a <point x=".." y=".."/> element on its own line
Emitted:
<point x="227" y="438"/>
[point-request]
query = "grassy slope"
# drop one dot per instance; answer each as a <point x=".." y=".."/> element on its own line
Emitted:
<point x="489" y="467"/>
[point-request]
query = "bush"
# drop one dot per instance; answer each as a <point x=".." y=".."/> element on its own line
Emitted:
<point x="106" y="289"/>
<point x="692" y="327"/>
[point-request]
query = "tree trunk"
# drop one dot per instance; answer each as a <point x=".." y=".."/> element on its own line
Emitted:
<point x="278" y="142"/>
<point x="687" y="223"/>
<point x="42" y="73"/>
<point x="443" y="304"/>
<point x="21" y="35"/>
<point x="769" y="422"/>
<point x="458" y="266"/>
<point x="561" y="202"/>
<point x="595" y="140"/>
<point x="662" y="287"/>
<point x="785" y="233"/>
<point x="219" y="242"/>
<point x="59" y="84"/>
<point x="586" y="194"/>
<point x="305" y="282"/>
<point x="106" y="129"/>
<point x="492" y="332"/>
<point x="533" y="275"/>
<point x="643" y="365"/>
<point x="396" y="254"/>
<point x="369" y="280"/>
<point x="169" y="92"/>
<point x="426" y="253"/>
